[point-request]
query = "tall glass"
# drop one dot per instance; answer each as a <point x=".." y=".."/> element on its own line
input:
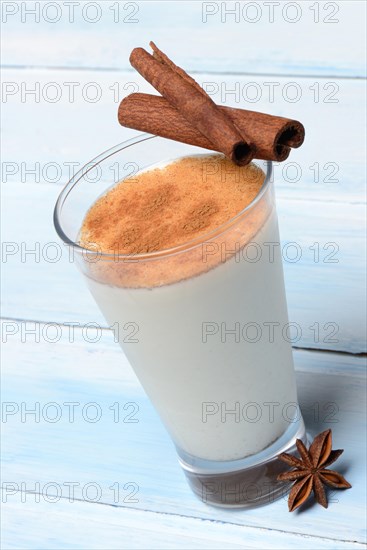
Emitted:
<point x="204" y="326"/>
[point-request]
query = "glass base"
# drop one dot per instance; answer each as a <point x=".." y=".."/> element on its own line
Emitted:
<point x="245" y="483"/>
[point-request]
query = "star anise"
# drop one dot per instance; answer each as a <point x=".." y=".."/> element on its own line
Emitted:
<point x="310" y="471"/>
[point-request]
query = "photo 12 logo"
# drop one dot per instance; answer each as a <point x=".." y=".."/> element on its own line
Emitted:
<point x="70" y="12"/>
<point x="270" y="12"/>
<point x="271" y="252"/>
<point x="272" y="91"/>
<point x="66" y="91"/>
<point x="51" y="333"/>
<point x="53" y="412"/>
<point x="268" y="332"/>
<point x="71" y="491"/>
<point x="235" y="412"/>
<point x="55" y="172"/>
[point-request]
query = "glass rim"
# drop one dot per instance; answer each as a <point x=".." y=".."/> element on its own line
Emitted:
<point x="147" y="255"/>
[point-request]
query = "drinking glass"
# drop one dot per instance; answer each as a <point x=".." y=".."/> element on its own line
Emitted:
<point x="204" y="325"/>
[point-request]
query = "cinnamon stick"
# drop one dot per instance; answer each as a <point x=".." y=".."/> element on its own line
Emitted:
<point x="273" y="136"/>
<point x="193" y="104"/>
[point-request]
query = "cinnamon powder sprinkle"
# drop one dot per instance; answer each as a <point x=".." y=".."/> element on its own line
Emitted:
<point x="165" y="207"/>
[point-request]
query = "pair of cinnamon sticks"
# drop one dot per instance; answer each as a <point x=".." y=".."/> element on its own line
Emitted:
<point x="186" y="113"/>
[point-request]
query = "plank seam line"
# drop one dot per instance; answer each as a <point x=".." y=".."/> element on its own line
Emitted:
<point x="186" y="516"/>
<point x="107" y="329"/>
<point x="325" y="350"/>
<point x="194" y="71"/>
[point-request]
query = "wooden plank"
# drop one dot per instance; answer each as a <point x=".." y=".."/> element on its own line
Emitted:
<point x="79" y="525"/>
<point x="113" y="451"/>
<point x="103" y="36"/>
<point x="45" y="285"/>
<point x="65" y="125"/>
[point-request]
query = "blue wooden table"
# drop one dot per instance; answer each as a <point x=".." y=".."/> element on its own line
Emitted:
<point x="86" y="463"/>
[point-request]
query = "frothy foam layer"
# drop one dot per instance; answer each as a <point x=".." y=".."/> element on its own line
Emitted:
<point x="168" y="206"/>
